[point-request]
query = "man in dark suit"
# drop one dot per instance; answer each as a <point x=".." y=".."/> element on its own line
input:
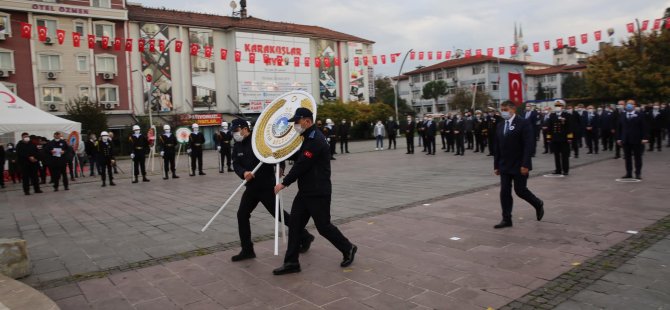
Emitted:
<point x="343" y="136"/>
<point x="409" y="134"/>
<point x="591" y="122"/>
<point x="656" y="124"/>
<point x="632" y="134"/>
<point x="532" y="117"/>
<point x="421" y="130"/>
<point x="431" y="131"/>
<point x="512" y="154"/>
<point x="607" y="129"/>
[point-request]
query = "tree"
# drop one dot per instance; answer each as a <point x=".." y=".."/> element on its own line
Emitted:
<point x="434" y="90"/>
<point x="385" y="93"/>
<point x="90" y="114"/>
<point x="540" y="95"/>
<point x="575" y="87"/>
<point x="462" y="100"/>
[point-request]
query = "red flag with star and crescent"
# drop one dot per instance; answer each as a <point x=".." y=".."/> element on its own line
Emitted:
<point x="224" y="54"/>
<point x="307" y="62"/>
<point x="117" y="44"/>
<point x="129" y="45"/>
<point x="515" y="88"/>
<point x="76" y="39"/>
<point x="91" y="41"/>
<point x="296" y="61"/>
<point x="41" y="33"/>
<point x="177" y="46"/>
<point x="208" y="52"/>
<point x="326" y="62"/>
<point x="536" y="47"/>
<point x="383" y="59"/>
<point x="61" y="36"/>
<point x="572" y="41"/>
<point x="501" y="51"/>
<point x="489" y="52"/>
<point x="238" y="56"/>
<point x="336" y="61"/>
<point x="26" y="30"/>
<point x="547" y="44"/>
<point x="194" y="49"/>
<point x="105" y="41"/>
<point x="140" y="45"/>
<point x="585" y="38"/>
<point x="152" y="45"/>
<point x="161" y="45"/>
<point x="598" y="35"/>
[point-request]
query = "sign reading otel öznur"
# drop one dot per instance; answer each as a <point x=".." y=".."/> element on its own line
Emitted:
<point x="274" y="138"/>
<point x="64" y="9"/>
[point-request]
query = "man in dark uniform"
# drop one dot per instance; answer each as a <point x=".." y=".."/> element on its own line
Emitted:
<point x="28" y="158"/>
<point x="560" y="136"/>
<point x="607" y="129"/>
<point x="89" y="148"/>
<point x="442" y="126"/>
<point x="167" y="144"/>
<point x="512" y="161"/>
<point x="195" y="143"/>
<point x="343" y="136"/>
<point x="331" y="137"/>
<point x="632" y="135"/>
<point x="591" y="122"/>
<point x="392" y="131"/>
<point x="421" y="130"/>
<point x="656" y="124"/>
<point x="431" y="131"/>
<point x="259" y="188"/>
<point x="449" y="133"/>
<point x="577" y="129"/>
<point x="491" y="125"/>
<point x="459" y="134"/>
<point x="409" y="134"/>
<point x="57" y="150"/>
<point x="106" y="161"/>
<point x="469" y="130"/>
<point x="480" y="144"/>
<point x="222" y="140"/>
<point x="545" y="129"/>
<point x="312" y="171"/>
<point x="327" y="132"/>
<point x="619" y="113"/>
<point x="40" y="143"/>
<point x="139" y="147"/>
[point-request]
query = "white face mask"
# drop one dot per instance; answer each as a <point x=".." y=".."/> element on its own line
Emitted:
<point x="26" y="139"/>
<point x="167" y="130"/>
<point x="656" y="108"/>
<point x="104" y="139"/>
<point x="137" y="132"/>
<point x="590" y="110"/>
<point x="238" y="136"/>
<point x="298" y="128"/>
<point x="558" y="109"/>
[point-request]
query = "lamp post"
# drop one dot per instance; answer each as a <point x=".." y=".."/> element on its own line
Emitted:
<point x="395" y="87"/>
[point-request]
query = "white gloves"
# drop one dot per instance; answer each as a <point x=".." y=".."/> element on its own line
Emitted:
<point x="132" y="155"/>
<point x="162" y="153"/>
<point x="188" y="151"/>
<point x="218" y="148"/>
<point x="328" y="139"/>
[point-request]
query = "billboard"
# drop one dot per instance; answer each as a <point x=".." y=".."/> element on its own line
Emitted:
<point x="273" y="72"/>
<point x="156" y="68"/>
<point x="327" y="81"/>
<point x="202" y="70"/>
<point x="357" y="73"/>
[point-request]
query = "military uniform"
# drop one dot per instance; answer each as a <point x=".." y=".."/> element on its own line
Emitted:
<point x="139" y="146"/>
<point x="223" y="139"/>
<point x="195" y="143"/>
<point x="106" y="161"/>
<point x="443" y="132"/>
<point x="57" y="152"/>
<point x="167" y="144"/>
<point x="479" y="130"/>
<point x="560" y="136"/>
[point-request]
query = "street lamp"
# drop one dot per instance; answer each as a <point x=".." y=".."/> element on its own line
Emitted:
<point x="395" y="87"/>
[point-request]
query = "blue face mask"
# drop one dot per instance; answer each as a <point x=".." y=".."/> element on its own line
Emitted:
<point x="505" y="115"/>
<point x="630" y="107"/>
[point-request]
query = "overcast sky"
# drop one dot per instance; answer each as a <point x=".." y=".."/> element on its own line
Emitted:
<point x="397" y="26"/>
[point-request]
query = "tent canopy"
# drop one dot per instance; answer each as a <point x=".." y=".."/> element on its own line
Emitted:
<point x="17" y="116"/>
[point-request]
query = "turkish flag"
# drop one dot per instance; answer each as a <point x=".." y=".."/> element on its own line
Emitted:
<point x="266" y="59"/>
<point x="478" y="52"/>
<point x="357" y="61"/>
<point x="194" y="49"/>
<point x="645" y="25"/>
<point x="252" y="57"/>
<point x="512" y="49"/>
<point x="76" y="39"/>
<point x="91" y="41"/>
<point x="559" y="43"/>
<point x="365" y="61"/>
<point x="152" y="45"/>
<point x="337" y="61"/>
<point x="129" y="45"/>
<point x="61" y="36"/>
<point x="430" y="55"/>
<point x="447" y="55"/>
<point x="161" y="45"/>
<point x="383" y="57"/>
<point x="536" y="47"/>
<point x="547" y="45"/>
<point x="468" y="53"/>
<point x="374" y="60"/>
<point x="326" y="62"/>
<point x="584" y="38"/>
<point x="438" y="55"/>
<point x="667" y="23"/>
<point x="501" y="50"/>
<point x="177" y="46"/>
<point x="105" y="41"/>
<point x="489" y="52"/>
<point x="393" y="58"/>
<point x="280" y="60"/>
<point x="238" y="56"/>
<point x="412" y="55"/>
<point x="26" y="30"/>
<point x="296" y="61"/>
<point x="41" y="33"/>
<point x="515" y="88"/>
<point x="572" y="41"/>
<point x="140" y="45"/>
<point x="208" y="52"/>
<point x="317" y="62"/>
<point x="117" y="44"/>
<point x="630" y="27"/>
<point x="420" y="55"/>
<point x="223" y="53"/>
<point x="307" y="62"/>
<point x="657" y="24"/>
<point x="598" y="35"/>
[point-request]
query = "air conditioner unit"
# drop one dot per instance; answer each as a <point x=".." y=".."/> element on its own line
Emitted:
<point x="48" y="41"/>
<point x="108" y="106"/>
<point x="53" y="107"/>
<point x="52" y="75"/>
<point x="108" y="76"/>
<point x="4" y="73"/>
<point x="3" y="36"/>
<point x="411" y="83"/>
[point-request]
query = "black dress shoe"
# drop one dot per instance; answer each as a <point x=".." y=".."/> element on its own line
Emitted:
<point x="557" y="172"/>
<point x="627" y="176"/>
<point x="230" y="170"/>
<point x="304" y="247"/>
<point x="191" y="174"/>
<point x="112" y="184"/>
<point x="67" y="188"/>
<point x="27" y="193"/>
<point x="165" y="178"/>
<point x="135" y="181"/>
<point x="349" y="257"/>
<point x="286" y="268"/>
<point x="565" y="173"/>
<point x="201" y="173"/>
<point x="38" y="191"/>
<point x="174" y="176"/>
<point x="638" y="176"/>
<point x="244" y="254"/>
<point x="144" y="179"/>
<point x="539" y="211"/>
<point x="503" y="224"/>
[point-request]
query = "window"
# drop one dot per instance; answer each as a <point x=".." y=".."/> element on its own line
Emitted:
<point x="551" y="78"/>
<point x="82" y="63"/>
<point x="416" y="79"/>
<point x="80" y="27"/>
<point x="51" y="26"/>
<point x="106" y="30"/>
<point x="416" y="95"/>
<point x="51" y="94"/>
<point x="426" y="77"/>
<point x="84" y="92"/>
<point x="11" y="87"/>
<point x="481" y="86"/>
<point x="479" y="69"/>
<point x="429" y="109"/>
<point x="50" y="63"/>
<point x="101" y="3"/>
<point x="105" y="64"/>
<point x="495" y="69"/>
<point x="108" y="94"/>
<point x="451" y="74"/>
<point x="7" y="60"/>
<point x="451" y="90"/>
<point x="5" y="24"/>
<point x="494" y="85"/>
<point x="439" y="75"/>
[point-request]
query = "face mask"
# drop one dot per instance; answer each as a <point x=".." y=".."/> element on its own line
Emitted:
<point x="409" y="120"/>
<point x="26" y="139"/>
<point x="195" y="130"/>
<point x="506" y="115"/>
<point x="656" y="108"/>
<point x="104" y="139"/>
<point x="57" y="139"/>
<point x="637" y="109"/>
<point x="9" y="147"/>
<point x="558" y="109"/>
<point x="478" y="116"/>
<point x="298" y="128"/>
<point x="570" y="110"/>
<point x="238" y="136"/>
<point x="600" y="110"/>
<point x="590" y="110"/>
<point x="344" y="122"/>
<point x="620" y="107"/>
<point x="630" y="107"/>
<point x="137" y="132"/>
<point x="167" y="130"/>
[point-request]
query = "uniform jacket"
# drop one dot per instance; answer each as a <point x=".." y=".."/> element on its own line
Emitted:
<point x="632" y="130"/>
<point x="139" y="145"/>
<point x="593" y="122"/>
<point x="64" y="148"/>
<point x="343" y="130"/>
<point x="514" y="149"/>
<point x="312" y="165"/>
<point x="244" y="159"/>
<point x="105" y="151"/>
<point x="431" y="128"/>
<point x="25" y="150"/>
<point x="195" y="141"/>
<point x="409" y="129"/>
<point x="167" y="144"/>
<point x="607" y="121"/>
<point x="223" y="139"/>
<point x="560" y="127"/>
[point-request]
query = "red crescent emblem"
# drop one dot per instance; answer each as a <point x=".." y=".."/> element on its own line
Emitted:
<point x="11" y="97"/>
<point x="308" y="154"/>
<point x="26" y="28"/>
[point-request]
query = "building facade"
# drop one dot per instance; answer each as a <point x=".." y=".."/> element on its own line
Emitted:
<point x="550" y="80"/>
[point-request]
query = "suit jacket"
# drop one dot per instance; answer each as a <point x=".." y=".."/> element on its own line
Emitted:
<point x="514" y="149"/>
<point x="532" y="117"/>
<point x="633" y="130"/>
<point x="606" y="121"/>
<point x="594" y="123"/>
<point x="431" y="129"/>
<point x="409" y="129"/>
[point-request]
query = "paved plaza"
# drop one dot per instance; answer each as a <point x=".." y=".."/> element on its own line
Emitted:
<point x="423" y="225"/>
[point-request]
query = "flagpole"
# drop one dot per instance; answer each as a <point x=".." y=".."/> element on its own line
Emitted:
<point x="499" y="88"/>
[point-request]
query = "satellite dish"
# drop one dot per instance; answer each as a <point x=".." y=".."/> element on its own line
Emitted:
<point x="233" y="5"/>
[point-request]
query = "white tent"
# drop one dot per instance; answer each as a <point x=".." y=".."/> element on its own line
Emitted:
<point x="17" y="116"/>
